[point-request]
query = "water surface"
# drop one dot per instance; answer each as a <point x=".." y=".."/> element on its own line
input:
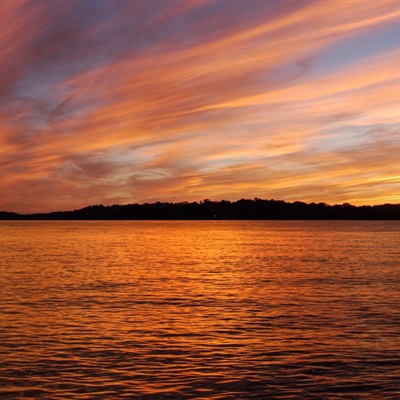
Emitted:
<point x="199" y="310"/>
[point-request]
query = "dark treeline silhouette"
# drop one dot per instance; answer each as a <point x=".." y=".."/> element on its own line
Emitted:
<point x="207" y="210"/>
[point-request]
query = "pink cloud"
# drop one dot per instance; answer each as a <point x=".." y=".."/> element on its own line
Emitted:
<point x="123" y="102"/>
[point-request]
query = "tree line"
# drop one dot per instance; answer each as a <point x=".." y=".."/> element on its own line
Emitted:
<point x="244" y="209"/>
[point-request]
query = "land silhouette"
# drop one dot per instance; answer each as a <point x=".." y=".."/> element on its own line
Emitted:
<point x="244" y="209"/>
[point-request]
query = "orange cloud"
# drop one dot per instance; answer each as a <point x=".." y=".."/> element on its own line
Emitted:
<point x="192" y="101"/>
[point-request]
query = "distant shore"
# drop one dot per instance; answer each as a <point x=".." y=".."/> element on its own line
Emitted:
<point x="243" y="209"/>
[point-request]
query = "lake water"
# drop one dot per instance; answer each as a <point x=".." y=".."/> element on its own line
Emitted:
<point x="199" y="310"/>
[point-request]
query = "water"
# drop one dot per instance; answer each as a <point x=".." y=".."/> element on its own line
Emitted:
<point x="199" y="310"/>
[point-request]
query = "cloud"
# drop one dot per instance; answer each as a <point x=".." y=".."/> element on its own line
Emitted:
<point x="133" y="101"/>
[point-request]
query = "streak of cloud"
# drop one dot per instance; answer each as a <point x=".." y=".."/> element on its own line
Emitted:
<point x="121" y="102"/>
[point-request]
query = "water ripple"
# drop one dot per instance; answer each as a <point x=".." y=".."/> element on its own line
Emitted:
<point x="224" y="310"/>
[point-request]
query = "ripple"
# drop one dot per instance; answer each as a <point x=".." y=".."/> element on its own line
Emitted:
<point x="201" y="314"/>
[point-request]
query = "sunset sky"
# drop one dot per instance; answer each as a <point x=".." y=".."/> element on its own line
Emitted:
<point x="116" y="102"/>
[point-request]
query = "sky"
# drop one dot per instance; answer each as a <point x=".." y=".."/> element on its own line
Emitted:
<point x="121" y="102"/>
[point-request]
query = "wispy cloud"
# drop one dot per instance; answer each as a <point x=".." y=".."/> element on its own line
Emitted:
<point x="120" y="102"/>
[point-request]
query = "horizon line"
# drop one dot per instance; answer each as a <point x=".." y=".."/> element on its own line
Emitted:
<point x="198" y="202"/>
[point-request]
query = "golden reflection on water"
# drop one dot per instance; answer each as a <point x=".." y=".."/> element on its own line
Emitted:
<point x="216" y="309"/>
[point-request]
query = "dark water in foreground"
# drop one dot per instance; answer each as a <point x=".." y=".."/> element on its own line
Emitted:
<point x="200" y="310"/>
